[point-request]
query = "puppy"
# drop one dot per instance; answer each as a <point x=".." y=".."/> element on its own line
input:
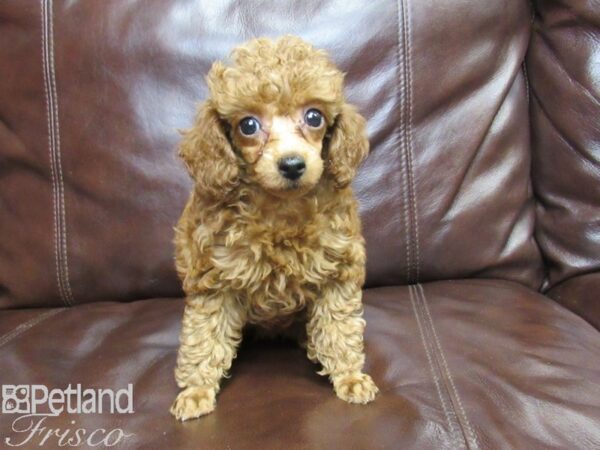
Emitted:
<point x="271" y="234"/>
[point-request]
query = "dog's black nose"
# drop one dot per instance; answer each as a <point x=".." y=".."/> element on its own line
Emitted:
<point x="292" y="167"/>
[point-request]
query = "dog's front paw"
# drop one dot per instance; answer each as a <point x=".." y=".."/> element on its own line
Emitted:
<point x="194" y="402"/>
<point x="355" y="387"/>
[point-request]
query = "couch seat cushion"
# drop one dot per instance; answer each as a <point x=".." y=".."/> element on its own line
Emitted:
<point x="460" y="364"/>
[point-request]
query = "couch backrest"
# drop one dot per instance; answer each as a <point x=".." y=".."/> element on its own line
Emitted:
<point x="92" y="95"/>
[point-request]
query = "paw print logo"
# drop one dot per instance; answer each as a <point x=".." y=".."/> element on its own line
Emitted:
<point x="15" y="399"/>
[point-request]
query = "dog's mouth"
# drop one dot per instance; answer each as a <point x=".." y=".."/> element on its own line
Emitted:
<point x="292" y="186"/>
<point x="291" y="189"/>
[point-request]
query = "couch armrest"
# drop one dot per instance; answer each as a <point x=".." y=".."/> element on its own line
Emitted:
<point x="565" y="112"/>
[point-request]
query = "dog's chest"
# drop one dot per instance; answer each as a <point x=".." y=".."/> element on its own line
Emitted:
<point x="276" y="271"/>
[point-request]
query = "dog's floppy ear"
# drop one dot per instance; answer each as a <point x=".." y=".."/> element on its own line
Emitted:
<point x="347" y="145"/>
<point x="208" y="155"/>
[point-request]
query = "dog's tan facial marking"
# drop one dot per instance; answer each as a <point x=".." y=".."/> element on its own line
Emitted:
<point x="282" y="147"/>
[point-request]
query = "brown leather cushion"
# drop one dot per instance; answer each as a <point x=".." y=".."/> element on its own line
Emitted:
<point x="483" y="362"/>
<point x="444" y="194"/>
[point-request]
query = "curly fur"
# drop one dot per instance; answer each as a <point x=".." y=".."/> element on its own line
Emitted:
<point x="253" y="249"/>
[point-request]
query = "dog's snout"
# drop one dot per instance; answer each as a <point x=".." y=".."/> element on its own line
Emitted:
<point x="292" y="167"/>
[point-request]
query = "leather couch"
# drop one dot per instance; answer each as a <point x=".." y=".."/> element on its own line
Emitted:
<point x="480" y="204"/>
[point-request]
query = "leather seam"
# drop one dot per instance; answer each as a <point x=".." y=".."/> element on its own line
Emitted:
<point x="51" y="150"/>
<point x="399" y="130"/>
<point x="454" y="438"/>
<point x="51" y="98"/>
<point x="59" y="165"/>
<point x="414" y="239"/>
<point x="463" y="420"/>
<point x="20" y="329"/>
<point x="404" y="138"/>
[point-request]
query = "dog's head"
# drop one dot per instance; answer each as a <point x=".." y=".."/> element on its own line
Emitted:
<point x="276" y="117"/>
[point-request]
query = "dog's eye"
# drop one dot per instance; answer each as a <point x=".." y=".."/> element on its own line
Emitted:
<point x="313" y="118"/>
<point x="249" y="126"/>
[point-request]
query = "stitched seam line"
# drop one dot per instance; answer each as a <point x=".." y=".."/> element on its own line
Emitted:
<point x="465" y="426"/>
<point x="61" y="185"/>
<point x="435" y="374"/>
<point x="51" y="150"/>
<point x="5" y="339"/>
<point x="59" y="213"/>
<point x="464" y="421"/>
<point x="408" y="136"/>
<point x="401" y="94"/>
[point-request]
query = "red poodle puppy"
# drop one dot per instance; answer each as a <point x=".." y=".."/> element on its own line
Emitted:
<point x="271" y="234"/>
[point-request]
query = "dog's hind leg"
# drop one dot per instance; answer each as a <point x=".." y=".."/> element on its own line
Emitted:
<point x="335" y="338"/>
<point x="210" y="334"/>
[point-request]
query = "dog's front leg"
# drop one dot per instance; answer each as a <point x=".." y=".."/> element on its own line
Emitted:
<point x="210" y="334"/>
<point x="335" y="339"/>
